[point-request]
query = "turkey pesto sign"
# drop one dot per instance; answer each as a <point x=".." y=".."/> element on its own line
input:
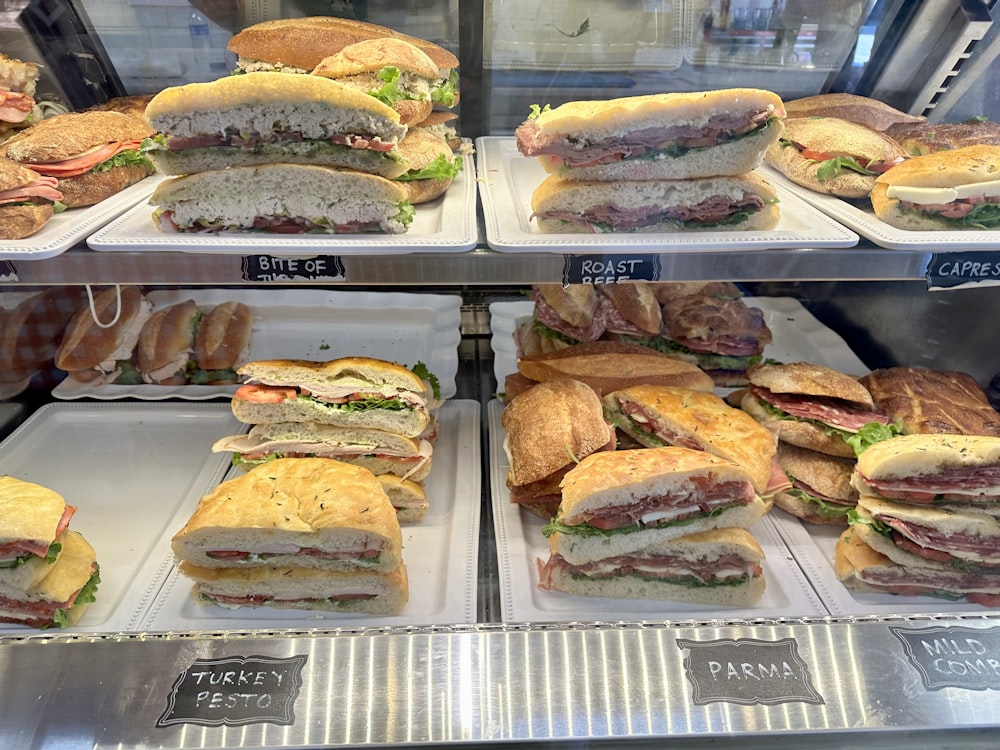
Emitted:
<point x="235" y="691"/>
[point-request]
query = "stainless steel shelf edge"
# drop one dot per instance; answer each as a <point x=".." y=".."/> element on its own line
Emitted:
<point x="480" y="266"/>
<point x="487" y="683"/>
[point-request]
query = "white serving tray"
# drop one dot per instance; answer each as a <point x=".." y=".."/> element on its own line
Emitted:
<point x="446" y="224"/>
<point x="813" y="547"/>
<point x="797" y="336"/>
<point x="507" y="180"/>
<point x="520" y="543"/>
<point x="130" y="469"/>
<point x="317" y="325"/>
<point x="863" y="220"/>
<point x="65" y="229"/>
<point x="440" y="553"/>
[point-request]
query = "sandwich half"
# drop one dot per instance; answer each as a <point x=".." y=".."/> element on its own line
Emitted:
<point x="32" y="518"/>
<point x="18" y="80"/>
<point x="619" y="502"/>
<point x="675" y="136"/>
<point x="432" y="165"/>
<point x="719" y="567"/>
<point x="821" y="491"/>
<point x="239" y="121"/>
<point x="298" y="512"/>
<point x="27" y="200"/>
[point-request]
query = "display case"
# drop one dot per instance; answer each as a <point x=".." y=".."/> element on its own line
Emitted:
<point x="479" y="657"/>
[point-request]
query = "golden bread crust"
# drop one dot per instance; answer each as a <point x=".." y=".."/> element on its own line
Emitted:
<point x="85" y="344"/>
<point x="73" y="133"/>
<point x="859" y="109"/>
<point x="828" y="475"/>
<point x="29" y="511"/>
<point x="810" y="379"/>
<point x="920" y="138"/>
<point x="18" y="222"/>
<point x="918" y="454"/>
<point x="574" y="303"/>
<point x="168" y="330"/>
<point x="373" y="55"/>
<point x="960" y="166"/>
<point x="637" y="304"/>
<point x="93" y="187"/>
<point x="223" y="335"/>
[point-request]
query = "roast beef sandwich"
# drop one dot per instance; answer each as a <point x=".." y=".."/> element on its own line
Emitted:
<point x="27" y="200"/>
<point x="947" y="190"/>
<point x="396" y="72"/>
<point x="549" y="428"/>
<point x="833" y="156"/>
<point x="93" y="155"/>
<point x="675" y="136"/>
<point x="656" y="416"/>
<point x="301" y="512"/>
<point x="378" y="451"/>
<point x="815" y="407"/>
<point x="821" y="491"/>
<point x="741" y="202"/>
<point x="17" y="94"/>
<point x="927" y="400"/>
<point x="272" y="118"/>
<point x="347" y="392"/>
<point x="432" y="165"/>
<point x="718" y="567"/>
<point x="616" y="503"/>
<point x="100" y="341"/>
<point x="60" y="598"/>
<point x="282" y="199"/>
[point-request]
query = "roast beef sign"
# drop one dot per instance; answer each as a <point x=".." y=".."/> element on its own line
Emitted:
<point x="610" y="269"/>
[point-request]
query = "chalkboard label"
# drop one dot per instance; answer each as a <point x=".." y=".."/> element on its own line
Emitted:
<point x="609" y="269"/>
<point x="748" y="671"/>
<point x="7" y="271"/>
<point x="953" y="656"/>
<point x="951" y="270"/>
<point x="264" y="268"/>
<point x="234" y="691"/>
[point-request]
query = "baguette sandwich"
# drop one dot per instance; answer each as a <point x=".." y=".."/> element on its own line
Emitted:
<point x="675" y="136"/>
<point x="742" y="202"/>
<point x="619" y="502"/>
<point x="181" y="343"/>
<point x="18" y="80"/>
<point x="657" y="416"/>
<point x="32" y="518"/>
<point x="862" y="110"/>
<point x="60" y="598"/>
<point x="815" y="407"/>
<point x="99" y="343"/>
<point x="348" y="392"/>
<point x="821" y="491"/>
<point x="920" y="138"/>
<point x="433" y="166"/>
<point x="955" y="189"/>
<point x="834" y="156"/>
<point x="282" y="199"/>
<point x="715" y="567"/>
<point x="272" y="118"/>
<point x="396" y="72"/>
<point x="549" y="428"/>
<point x="93" y="155"/>
<point x="298" y="512"/>
<point x="27" y="200"/>
<point x="378" y="451"/>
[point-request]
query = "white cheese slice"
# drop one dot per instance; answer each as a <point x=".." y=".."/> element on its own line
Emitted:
<point x="928" y="195"/>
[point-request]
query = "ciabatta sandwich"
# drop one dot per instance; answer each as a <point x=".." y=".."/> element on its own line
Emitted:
<point x="272" y="118"/>
<point x="719" y="567"/>
<point x="282" y="199"/>
<point x="833" y="156"/>
<point x="946" y="190"/>
<point x="619" y="502"/>
<point x="378" y="451"/>
<point x="675" y="136"/>
<point x="93" y="155"/>
<point x="27" y="200"/>
<point x="657" y="416"/>
<point x="99" y="343"/>
<point x="394" y="71"/>
<point x="744" y="202"/>
<point x="407" y="497"/>
<point x="347" y="392"/>
<point x="821" y="491"/>
<point x="299" y="512"/>
<point x="815" y="407"/>
<point x="549" y="428"/>
<point x="433" y="166"/>
<point x="17" y="94"/>
<point x="32" y="517"/>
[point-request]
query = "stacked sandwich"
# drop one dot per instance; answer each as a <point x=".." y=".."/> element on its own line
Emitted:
<point x="359" y="410"/>
<point x="48" y="572"/>
<point x="27" y="200"/>
<point x="298" y="533"/>
<point x="927" y="519"/>
<point x="656" y="523"/>
<point x="655" y="163"/>
<point x="823" y="419"/>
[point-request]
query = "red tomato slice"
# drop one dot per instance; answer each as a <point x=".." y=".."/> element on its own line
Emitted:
<point x="265" y="394"/>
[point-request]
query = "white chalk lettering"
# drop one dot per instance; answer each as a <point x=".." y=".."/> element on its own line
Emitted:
<point x="750" y="671"/>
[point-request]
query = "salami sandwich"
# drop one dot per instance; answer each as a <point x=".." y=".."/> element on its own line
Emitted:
<point x="821" y="491"/>
<point x="674" y="136"/>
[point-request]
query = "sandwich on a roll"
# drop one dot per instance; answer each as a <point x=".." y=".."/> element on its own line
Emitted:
<point x="18" y="80"/>
<point x="674" y="136"/>
<point x="821" y="491"/>
<point x="27" y="200"/>
<point x="32" y="518"/>
<point x="433" y="165"/>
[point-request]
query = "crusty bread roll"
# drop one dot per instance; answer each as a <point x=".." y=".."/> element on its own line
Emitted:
<point x="860" y="109"/>
<point x="432" y="165"/>
<point x="223" y="335"/>
<point x="822" y="492"/>
<point x="166" y="343"/>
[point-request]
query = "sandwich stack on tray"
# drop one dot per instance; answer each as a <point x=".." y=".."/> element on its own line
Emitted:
<point x="367" y="412"/>
<point x="296" y="533"/>
<point x="927" y="520"/>
<point x="656" y="523"/>
<point x="655" y="163"/>
<point x="823" y="420"/>
<point x="48" y="572"/>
